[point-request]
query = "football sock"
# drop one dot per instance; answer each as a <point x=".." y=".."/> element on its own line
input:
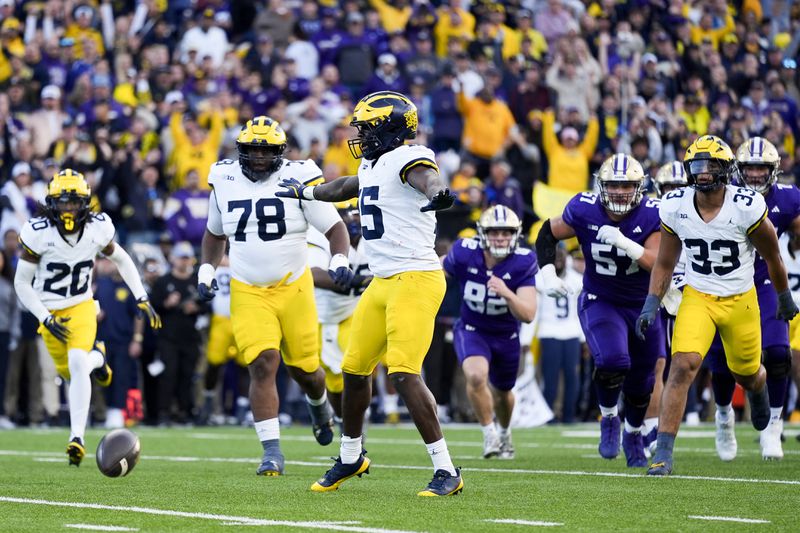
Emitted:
<point x="650" y="423"/>
<point x="609" y="411"/>
<point x="503" y="432"/>
<point x="268" y="430"/>
<point x="775" y="413"/>
<point x="777" y="391"/>
<point x="80" y="391"/>
<point x="723" y="385"/>
<point x="350" y="449"/>
<point x="632" y="429"/>
<point x="759" y="408"/>
<point x="665" y="442"/>
<point x="489" y="429"/>
<point x="725" y="412"/>
<point x="319" y="401"/>
<point x="95" y="359"/>
<point x="441" y="456"/>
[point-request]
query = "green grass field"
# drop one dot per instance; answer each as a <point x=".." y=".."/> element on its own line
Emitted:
<point x="203" y="479"/>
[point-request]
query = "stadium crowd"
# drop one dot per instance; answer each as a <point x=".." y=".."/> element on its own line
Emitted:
<point x="521" y="101"/>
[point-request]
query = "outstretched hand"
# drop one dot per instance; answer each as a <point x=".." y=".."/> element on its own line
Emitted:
<point x="442" y="200"/>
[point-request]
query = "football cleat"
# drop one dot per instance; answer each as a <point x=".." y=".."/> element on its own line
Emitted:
<point x="650" y="442"/>
<point x="340" y="473"/>
<point x="770" y="440"/>
<point x="102" y="375"/>
<point x="75" y="451"/>
<point x="633" y="446"/>
<point x="609" y="437"/>
<point x="725" y="439"/>
<point x="444" y="484"/>
<point x="321" y="422"/>
<point x="506" y="447"/>
<point x="491" y="446"/>
<point x="271" y="465"/>
<point x="759" y="409"/>
<point x="660" y="468"/>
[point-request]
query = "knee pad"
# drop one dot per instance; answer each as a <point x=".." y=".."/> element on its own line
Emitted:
<point x="778" y="362"/>
<point x="78" y="362"/>
<point x="610" y="379"/>
<point x="638" y="400"/>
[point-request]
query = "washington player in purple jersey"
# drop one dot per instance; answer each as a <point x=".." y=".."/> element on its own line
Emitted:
<point x="619" y="236"/>
<point x="758" y="163"/>
<point x="498" y="288"/>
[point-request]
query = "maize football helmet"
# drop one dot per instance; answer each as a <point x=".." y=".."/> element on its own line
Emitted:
<point x="67" y="200"/>
<point x="499" y="217"/>
<point x="384" y="120"/>
<point x="709" y="155"/>
<point x="260" y="144"/>
<point x="758" y="161"/>
<point x="670" y="176"/>
<point x="620" y="169"/>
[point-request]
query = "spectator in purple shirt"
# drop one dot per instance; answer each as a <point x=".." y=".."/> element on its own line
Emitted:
<point x="387" y="77"/>
<point x="502" y="189"/>
<point x="186" y="211"/>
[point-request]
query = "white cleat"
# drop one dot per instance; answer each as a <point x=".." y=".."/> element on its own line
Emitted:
<point x="491" y="446"/>
<point x="506" y="448"/>
<point x="770" y="440"/>
<point x="726" y="438"/>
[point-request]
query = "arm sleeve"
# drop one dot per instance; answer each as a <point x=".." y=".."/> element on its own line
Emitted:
<point x="128" y="271"/>
<point x="321" y="215"/>
<point x="23" y="280"/>
<point x="214" y="224"/>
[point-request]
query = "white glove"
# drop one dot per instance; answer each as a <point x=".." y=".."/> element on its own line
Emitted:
<point x="613" y="236"/>
<point x="552" y="285"/>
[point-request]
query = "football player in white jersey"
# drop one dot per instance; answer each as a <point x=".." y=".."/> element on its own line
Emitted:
<point x="399" y="189"/>
<point x="272" y="292"/>
<point x="720" y="226"/>
<point x="54" y="281"/>
<point x="221" y="348"/>
<point x="335" y="304"/>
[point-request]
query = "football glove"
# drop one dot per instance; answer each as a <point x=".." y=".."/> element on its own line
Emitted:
<point x="295" y="189"/>
<point x="613" y="236"/>
<point x="339" y="270"/>
<point x="442" y="200"/>
<point x="360" y="282"/>
<point x="648" y="315"/>
<point x="57" y="328"/>
<point x="552" y="285"/>
<point x="207" y="292"/>
<point x="147" y="311"/>
<point x="787" y="309"/>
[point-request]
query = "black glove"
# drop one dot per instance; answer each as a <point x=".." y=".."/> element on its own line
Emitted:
<point x="442" y="200"/>
<point x="360" y="282"/>
<point x="207" y="293"/>
<point x="147" y="311"/>
<point x="648" y="315"/>
<point x="294" y="189"/>
<point x="787" y="309"/>
<point x="57" y="328"/>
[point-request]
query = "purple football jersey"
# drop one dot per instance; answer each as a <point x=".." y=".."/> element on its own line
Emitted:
<point x="610" y="274"/>
<point x="480" y="307"/>
<point x="783" y="206"/>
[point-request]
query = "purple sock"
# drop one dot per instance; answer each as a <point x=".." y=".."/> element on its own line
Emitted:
<point x="723" y="385"/>
<point x="607" y="397"/>
<point x="777" y="391"/>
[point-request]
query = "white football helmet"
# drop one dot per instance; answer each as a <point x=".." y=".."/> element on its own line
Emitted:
<point x="758" y="157"/>
<point x="620" y="169"/>
<point x="670" y="175"/>
<point x="499" y="217"/>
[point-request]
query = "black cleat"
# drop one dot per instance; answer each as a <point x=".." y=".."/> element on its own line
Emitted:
<point x="103" y="374"/>
<point x="340" y="473"/>
<point x="444" y="484"/>
<point x="75" y="451"/>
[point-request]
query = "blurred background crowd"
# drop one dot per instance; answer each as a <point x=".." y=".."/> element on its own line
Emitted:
<point x="521" y="101"/>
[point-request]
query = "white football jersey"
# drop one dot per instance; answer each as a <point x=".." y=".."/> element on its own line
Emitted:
<point x="792" y="262"/>
<point x="398" y="237"/>
<point x="719" y="254"/>
<point x="221" y="304"/>
<point x="557" y="317"/>
<point x="267" y="234"/>
<point x="333" y="307"/>
<point x="64" y="273"/>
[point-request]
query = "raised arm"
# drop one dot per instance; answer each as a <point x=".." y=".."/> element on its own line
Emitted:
<point x="338" y="190"/>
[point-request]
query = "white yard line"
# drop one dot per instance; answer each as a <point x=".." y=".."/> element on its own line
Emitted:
<point x="93" y="527"/>
<point x="730" y="519"/>
<point x="522" y="471"/>
<point x="523" y="522"/>
<point x="243" y="520"/>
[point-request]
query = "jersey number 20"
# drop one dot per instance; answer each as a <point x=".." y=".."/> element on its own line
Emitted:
<point x="62" y="270"/>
